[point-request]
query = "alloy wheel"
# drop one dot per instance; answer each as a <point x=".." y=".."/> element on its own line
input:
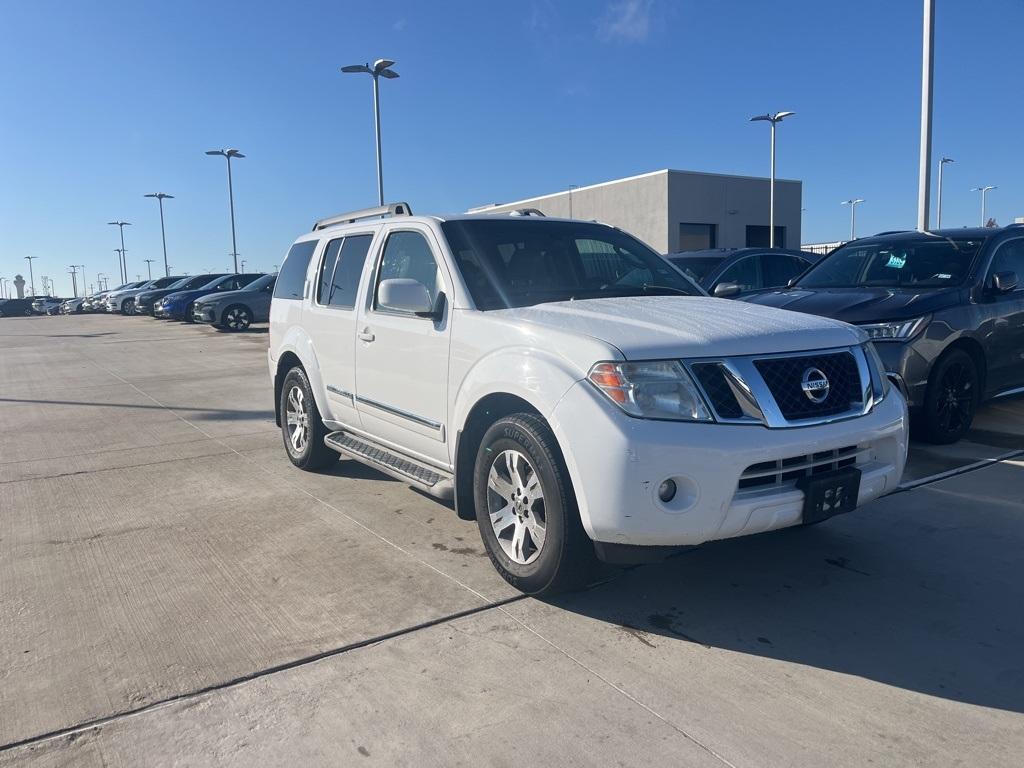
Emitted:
<point x="515" y="505"/>
<point x="297" y="419"/>
<point x="237" y="319"/>
<point x="955" y="404"/>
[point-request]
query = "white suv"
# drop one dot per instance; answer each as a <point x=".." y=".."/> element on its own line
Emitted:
<point x="571" y="390"/>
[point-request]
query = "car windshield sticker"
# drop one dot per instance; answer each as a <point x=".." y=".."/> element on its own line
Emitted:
<point x="897" y="261"/>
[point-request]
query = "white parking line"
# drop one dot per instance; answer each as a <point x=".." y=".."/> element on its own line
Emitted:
<point x="959" y="470"/>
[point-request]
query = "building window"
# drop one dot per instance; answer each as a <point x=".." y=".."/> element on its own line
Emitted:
<point x="695" y="237"/>
<point x="757" y="236"/>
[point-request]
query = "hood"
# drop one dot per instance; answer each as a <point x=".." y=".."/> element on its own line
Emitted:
<point x="653" y="327"/>
<point x="860" y="305"/>
<point x="211" y="298"/>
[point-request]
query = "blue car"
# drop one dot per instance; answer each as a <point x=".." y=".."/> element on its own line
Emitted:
<point x="178" y="305"/>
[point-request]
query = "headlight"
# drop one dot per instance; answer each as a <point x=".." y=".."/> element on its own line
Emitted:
<point x="897" y="331"/>
<point x="659" y="389"/>
<point x="879" y="381"/>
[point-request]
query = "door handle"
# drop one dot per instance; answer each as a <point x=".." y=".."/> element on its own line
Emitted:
<point x="366" y="335"/>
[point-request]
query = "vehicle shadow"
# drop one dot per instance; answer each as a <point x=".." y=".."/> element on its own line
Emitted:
<point x="914" y="596"/>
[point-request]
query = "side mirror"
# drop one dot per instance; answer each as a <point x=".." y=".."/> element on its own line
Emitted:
<point x="1004" y="282"/>
<point x="727" y="290"/>
<point x="402" y="294"/>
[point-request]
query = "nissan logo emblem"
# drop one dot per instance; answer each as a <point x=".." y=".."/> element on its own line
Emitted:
<point x="815" y="385"/>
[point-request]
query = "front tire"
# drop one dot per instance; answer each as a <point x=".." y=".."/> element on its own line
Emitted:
<point x="128" y="308"/>
<point x="236" y="318"/>
<point x="950" y="399"/>
<point x="526" y="508"/>
<point x="301" y="426"/>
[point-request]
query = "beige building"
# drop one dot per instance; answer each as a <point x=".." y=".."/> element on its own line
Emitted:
<point x="681" y="210"/>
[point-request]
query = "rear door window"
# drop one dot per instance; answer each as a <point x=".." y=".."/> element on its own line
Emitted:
<point x="743" y="273"/>
<point x="778" y="269"/>
<point x="291" y="281"/>
<point x="348" y="271"/>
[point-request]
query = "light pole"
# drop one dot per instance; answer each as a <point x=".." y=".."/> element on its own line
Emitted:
<point x="243" y="266"/>
<point x="228" y="154"/>
<point x="924" y="181"/>
<point x="31" y="278"/>
<point x="46" y="291"/>
<point x="160" y="197"/>
<point x="853" y="215"/>
<point x="984" y="195"/>
<point x="381" y="68"/>
<point x="938" y="196"/>
<point x="121" y="265"/>
<point x="74" y="280"/>
<point x="124" y="257"/>
<point x="149" y="268"/>
<point x="3" y="292"/>
<point x="99" y="279"/>
<point x="778" y="117"/>
<point x="571" y="188"/>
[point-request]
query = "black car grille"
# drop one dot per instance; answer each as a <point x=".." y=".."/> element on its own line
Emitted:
<point x="784" y="376"/>
<point x="712" y="379"/>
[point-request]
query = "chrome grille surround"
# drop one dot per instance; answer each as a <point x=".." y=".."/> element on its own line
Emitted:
<point x="751" y="392"/>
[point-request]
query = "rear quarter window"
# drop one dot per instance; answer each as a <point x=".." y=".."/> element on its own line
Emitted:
<point x="291" y="280"/>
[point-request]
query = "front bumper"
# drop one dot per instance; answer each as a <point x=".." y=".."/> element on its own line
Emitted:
<point x="907" y="368"/>
<point x="204" y="314"/>
<point x="617" y="464"/>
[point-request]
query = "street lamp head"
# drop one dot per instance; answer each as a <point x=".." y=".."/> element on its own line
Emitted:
<point x="381" y="64"/>
<point x="945" y="160"/>
<point x="854" y="201"/>
<point x="160" y="196"/>
<point x="778" y="117"/>
<point x="354" y="68"/>
<point x="756" y="118"/>
<point x="390" y="74"/>
<point x="984" y="189"/>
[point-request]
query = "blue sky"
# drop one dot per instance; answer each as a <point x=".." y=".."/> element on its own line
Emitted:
<point x="496" y="101"/>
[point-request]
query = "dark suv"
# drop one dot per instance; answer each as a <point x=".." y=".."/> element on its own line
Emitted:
<point x="945" y="308"/>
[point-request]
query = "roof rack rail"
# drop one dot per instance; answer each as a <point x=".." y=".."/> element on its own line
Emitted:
<point x="527" y="212"/>
<point x="391" y="209"/>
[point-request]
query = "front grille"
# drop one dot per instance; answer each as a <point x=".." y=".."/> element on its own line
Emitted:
<point x="711" y="377"/>
<point x="787" y="471"/>
<point x="784" y="376"/>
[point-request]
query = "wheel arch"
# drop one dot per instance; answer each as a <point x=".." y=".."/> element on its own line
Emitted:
<point x="482" y="415"/>
<point x="976" y="351"/>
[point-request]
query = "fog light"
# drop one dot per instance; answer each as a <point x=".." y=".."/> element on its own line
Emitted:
<point x="667" y="490"/>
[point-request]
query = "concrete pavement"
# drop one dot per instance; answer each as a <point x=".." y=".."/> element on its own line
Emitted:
<point x="174" y="592"/>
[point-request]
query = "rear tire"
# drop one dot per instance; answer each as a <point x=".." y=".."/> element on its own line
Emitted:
<point x="301" y="426"/>
<point x="237" y="317"/>
<point x="526" y="508"/>
<point x="951" y="398"/>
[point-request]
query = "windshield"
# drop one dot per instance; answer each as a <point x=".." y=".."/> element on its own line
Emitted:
<point x="697" y="267"/>
<point x="259" y="284"/>
<point x="913" y="263"/>
<point x="195" y="282"/>
<point x="520" y="262"/>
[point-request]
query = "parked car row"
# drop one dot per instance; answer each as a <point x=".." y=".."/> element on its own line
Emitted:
<point x="229" y="301"/>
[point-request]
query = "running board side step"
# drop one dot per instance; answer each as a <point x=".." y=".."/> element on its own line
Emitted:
<point x="426" y="478"/>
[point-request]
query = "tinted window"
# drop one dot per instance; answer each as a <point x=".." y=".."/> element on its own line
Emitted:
<point x="743" y="273"/>
<point x="778" y="269"/>
<point x="262" y="283"/>
<point x="1010" y="258"/>
<point x="198" y="281"/>
<point x="697" y="267"/>
<point x="323" y="285"/>
<point x="408" y="255"/>
<point x="521" y="262"/>
<point x="291" y="280"/>
<point x="932" y="263"/>
<point x="164" y="282"/>
<point x="348" y="271"/>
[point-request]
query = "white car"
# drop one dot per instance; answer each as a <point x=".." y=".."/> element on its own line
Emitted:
<point x="570" y="389"/>
<point x="46" y="305"/>
<point x="116" y="300"/>
<point x="72" y="306"/>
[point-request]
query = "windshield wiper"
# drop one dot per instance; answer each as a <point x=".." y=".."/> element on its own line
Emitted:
<point x="656" y="287"/>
